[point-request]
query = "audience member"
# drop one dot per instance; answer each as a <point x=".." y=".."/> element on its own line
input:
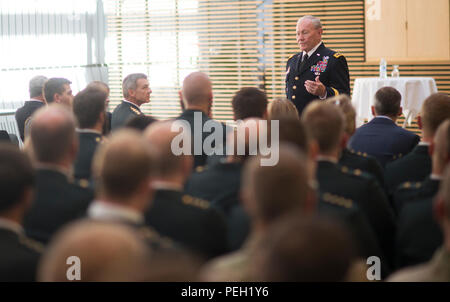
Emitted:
<point x="281" y="108"/>
<point x="57" y="200"/>
<point x="136" y="92"/>
<point x="108" y="116"/>
<point x="249" y="102"/>
<point x="20" y="255"/>
<point x="381" y="137"/>
<point x="140" y="122"/>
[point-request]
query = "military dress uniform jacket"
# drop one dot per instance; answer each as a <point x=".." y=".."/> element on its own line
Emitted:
<point x="414" y="167"/>
<point x="124" y="112"/>
<point x="19" y="257"/>
<point x="329" y="65"/>
<point x="410" y="191"/>
<point x="188" y="220"/>
<point x="83" y="163"/>
<point x="57" y="202"/>
<point x="24" y="112"/>
<point x="364" y="162"/>
<point x="384" y="140"/>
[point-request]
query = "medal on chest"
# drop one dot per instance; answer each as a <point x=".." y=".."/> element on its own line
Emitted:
<point x="321" y="66"/>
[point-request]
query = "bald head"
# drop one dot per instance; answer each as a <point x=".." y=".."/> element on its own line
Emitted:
<point x="160" y="136"/>
<point x="123" y="164"/>
<point x="53" y="134"/>
<point x="107" y="252"/>
<point x="197" y="90"/>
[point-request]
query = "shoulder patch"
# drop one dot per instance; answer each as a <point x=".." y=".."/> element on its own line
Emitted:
<point x="195" y="202"/>
<point x="338" y="55"/>
<point x="338" y="200"/>
<point x="31" y="244"/>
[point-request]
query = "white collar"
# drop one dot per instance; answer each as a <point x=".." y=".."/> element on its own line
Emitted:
<point x="327" y="158"/>
<point x="105" y="211"/>
<point x="11" y="225"/>
<point x="87" y="131"/>
<point x="131" y="103"/>
<point x="435" y="177"/>
<point x="34" y="100"/>
<point x="383" y="116"/>
<point x="166" y="185"/>
<point x="312" y="51"/>
<point x="424" y="144"/>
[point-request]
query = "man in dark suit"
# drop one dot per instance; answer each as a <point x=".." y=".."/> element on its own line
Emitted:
<point x="19" y="254"/>
<point x="325" y="125"/>
<point x="381" y="137"/>
<point x="36" y="101"/>
<point x="316" y="71"/>
<point x="89" y="109"/>
<point x="108" y="115"/>
<point x="416" y="166"/>
<point x="187" y="219"/>
<point x="136" y="91"/>
<point x="57" y="200"/>
<point x="197" y="97"/>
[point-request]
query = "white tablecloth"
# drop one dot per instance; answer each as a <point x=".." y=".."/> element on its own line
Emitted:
<point x="414" y="91"/>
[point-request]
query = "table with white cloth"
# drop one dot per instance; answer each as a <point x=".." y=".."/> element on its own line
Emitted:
<point x="414" y="91"/>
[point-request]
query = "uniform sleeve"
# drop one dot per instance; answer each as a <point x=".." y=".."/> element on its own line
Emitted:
<point x="339" y="77"/>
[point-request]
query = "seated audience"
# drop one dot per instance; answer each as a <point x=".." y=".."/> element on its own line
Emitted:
<point x="140" y="122"/>
<point x="108" y="115"/>
<point x="281" y="108"/>
<point x="381" y="137"/>
<point x="249" y="102"/>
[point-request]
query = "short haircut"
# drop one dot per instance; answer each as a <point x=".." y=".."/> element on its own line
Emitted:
<point x="435" y="109"/>
<point x="122" y="163"/>
<point x="130" y="82"/>
<point x="387" y="101"/>
<point x="314" y="20"/>
<point x="51" y="142"/>
<point x="291" y="130"/>
<point x="88" y="104"/>
<point x="249" y="102"/>
<point x="54" y="85"/>
<point x="296" y="249"/>
<point x="99" y="85"/>
<point x="16" y="175"/>
<point x="280" y="108"/>
<point x="36" y="86"/>
<point x="324" y="123"/>
<point x="344" y="103"/>
<point x="279" y="189"/>
<point x="140" y="122"/>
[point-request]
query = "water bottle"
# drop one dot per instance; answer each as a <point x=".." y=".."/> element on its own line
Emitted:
<point x="395" y="71"/>
<point x="383" y="69"/>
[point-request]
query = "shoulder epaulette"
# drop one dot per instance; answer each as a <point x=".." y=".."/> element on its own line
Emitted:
<point x="292" y="56"/>
<point x="337" y="200"/>
<point x="338" y="55"/>
<point x="84" y="183"/>
<point x="354" y="172"/>
<point x="194" y="201"/>
<point x="135" y="110"/>
<point x="410" y="185"/>
<point x="32" y="244"/>
<point x="200" y="169"/>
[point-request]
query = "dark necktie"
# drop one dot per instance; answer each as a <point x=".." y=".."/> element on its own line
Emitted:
<point x="303" y="63"/>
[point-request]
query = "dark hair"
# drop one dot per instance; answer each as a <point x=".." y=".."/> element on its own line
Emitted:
<point x="54" y="85"/>
<point x="291" y="130"/>
<point x="249" y="102"/>
<point x="88" y="104"/>
<point x="140" y="122"/>
<point x="16" y="175"/>
<point x="387" y="101"/>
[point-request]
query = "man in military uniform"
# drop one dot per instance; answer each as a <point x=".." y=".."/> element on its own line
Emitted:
<point x="19" y="254"/>
<point x="316" y="71"/>
<point x="416" y="166"/>
<point x="187" y="219"/>
<point x="325" y="125"/>
<point x="57" y="200"/>
<point x="89" y="109"/>
<point x="36" y="101"/>
<point x="136" y="91"/>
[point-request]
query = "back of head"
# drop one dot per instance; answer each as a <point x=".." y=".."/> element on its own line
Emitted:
<point x="53" y="133"/>
<point x="325" y="124"/>
<point x="36" y="85"/>
<point x="54" y="85"/>
<point x="122" y="164"/>
<point x="197" y="89"/>
<point x="281" y="108"/>
<point x="130" y="83"/>
<point x="272" y="191"/>
<point x="249" y="102"/>
<point x="99" y="85"/>
<point x="106" y="252"/>
<point x="140" y="122"/>
<point x="304" y="250"/>
<point x="160" y="137"/>
<point x="16" y="176"/>
<point x="291" y="130"/>
<point x="387" y="102"/>
<point x="444" y="192"/>
<point x="344" y="103"/>
<point x="88" y="105"/>
<point x="441" y="153"/>
<point x="435" y="109"/>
